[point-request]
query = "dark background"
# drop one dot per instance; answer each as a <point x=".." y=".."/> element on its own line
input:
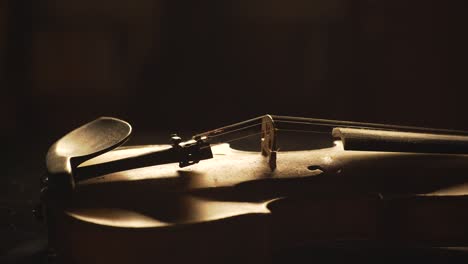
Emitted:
<point x="195" y="65"/>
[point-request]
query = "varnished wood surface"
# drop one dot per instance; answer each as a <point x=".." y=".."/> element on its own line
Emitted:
<point x="234" y="205"/>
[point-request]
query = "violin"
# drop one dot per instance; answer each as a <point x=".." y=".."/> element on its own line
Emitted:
<point x="204" y="200"/>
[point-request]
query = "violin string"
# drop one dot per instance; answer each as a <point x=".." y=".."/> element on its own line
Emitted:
<point x="259" y="133"/>
<point x="303" y="131"/>
<point x="217" y="134"/>
<point x="351" y="124"/>
<point x="225" y="128"/>
<point x="320" y="124"/>
<point x="337" y="124"/>
<point x="312" y="127"/>
<point x="235" y="139"/>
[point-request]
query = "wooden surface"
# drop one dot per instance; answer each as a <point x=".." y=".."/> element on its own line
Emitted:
<point x="234" y="205"/>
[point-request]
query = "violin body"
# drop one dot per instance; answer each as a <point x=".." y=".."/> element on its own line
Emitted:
<point x="234" y="207"/>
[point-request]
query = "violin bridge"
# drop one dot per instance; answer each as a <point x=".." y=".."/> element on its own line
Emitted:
<point x="269" y="146"/>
